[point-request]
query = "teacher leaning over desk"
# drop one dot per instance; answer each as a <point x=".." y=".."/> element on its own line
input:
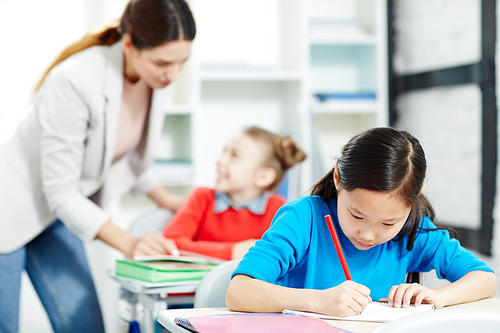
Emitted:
<point x="91" y="134"/>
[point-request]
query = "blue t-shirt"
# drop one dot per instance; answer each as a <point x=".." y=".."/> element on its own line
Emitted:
<point x="298" y="251"/>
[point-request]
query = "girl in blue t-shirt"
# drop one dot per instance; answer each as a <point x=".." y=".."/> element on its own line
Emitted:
<point x="384" y="225"/>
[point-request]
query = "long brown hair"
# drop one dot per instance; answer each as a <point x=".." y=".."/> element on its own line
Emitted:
<point x="383" y="159"/>
<point x="150" y="23"/>
<point x="281" y="153"/>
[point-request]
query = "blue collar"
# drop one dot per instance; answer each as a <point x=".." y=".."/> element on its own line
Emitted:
<point x="257" y="206"/>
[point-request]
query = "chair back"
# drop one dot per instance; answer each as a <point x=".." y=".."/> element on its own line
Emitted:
<point x="447" y="320"/>
<point x="154" y="220"/>
<point x="212" y="290"/>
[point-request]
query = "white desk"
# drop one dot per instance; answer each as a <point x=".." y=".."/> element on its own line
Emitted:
<point x="166" y="317"/>
<point x="155" y="297"/>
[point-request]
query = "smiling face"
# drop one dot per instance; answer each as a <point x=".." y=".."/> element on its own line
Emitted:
<point x="369" y="218"/>
<point x="157" y="66"/>
<point x="240" y="172"/>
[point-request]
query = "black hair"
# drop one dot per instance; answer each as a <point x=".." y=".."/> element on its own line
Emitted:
<point x="383" y="159"/>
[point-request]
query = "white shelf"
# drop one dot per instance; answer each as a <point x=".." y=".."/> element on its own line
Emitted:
<point x="347" y="51"/>
<point x="354" y="40"/>
<point x="251" y="75"/>
<point x="179" y="109"/>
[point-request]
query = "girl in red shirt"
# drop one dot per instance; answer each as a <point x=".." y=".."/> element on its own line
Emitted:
<point x="226" y="221"/>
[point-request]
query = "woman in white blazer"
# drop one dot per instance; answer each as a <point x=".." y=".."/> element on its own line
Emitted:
<point x="92" y="132"/>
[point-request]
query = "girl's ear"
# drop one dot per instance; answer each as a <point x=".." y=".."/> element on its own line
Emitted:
<point x="265" y="177"/>
<point x="336" y="177"/>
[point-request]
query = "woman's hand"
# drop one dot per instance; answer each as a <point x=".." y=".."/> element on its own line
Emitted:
<point x="405" y="294"/>
<point x="154" y="243"/>
<point x="346" y="299"/>
<point x="150" y="244"/>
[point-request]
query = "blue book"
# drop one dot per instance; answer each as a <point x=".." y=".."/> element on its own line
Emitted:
<point x="323" y="97"/>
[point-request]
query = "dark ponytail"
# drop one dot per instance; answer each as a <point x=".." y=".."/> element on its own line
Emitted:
<point x="325" y="188"/>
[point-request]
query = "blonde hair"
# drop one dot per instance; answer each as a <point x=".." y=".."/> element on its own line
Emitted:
<point x="281" y="153"/>
<point x="150" y="23"/>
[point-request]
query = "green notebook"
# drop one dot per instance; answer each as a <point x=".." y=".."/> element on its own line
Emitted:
<point x="162" y="270"/>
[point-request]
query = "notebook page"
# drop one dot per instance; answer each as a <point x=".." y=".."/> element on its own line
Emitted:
<point x="374" y="312"/>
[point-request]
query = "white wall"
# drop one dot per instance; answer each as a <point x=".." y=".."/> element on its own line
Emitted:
<point x="447" y="120"/>
<point x="31" y="38"/>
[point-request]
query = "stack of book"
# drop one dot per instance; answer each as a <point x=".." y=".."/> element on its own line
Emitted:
<point x="165" y="268"/>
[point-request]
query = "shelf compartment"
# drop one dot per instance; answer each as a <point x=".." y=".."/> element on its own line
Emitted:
<point x="270" y="43"/>
<point x="175" y="142"/>
<point x="332" y="133"/>
<point x="342" y="68"/>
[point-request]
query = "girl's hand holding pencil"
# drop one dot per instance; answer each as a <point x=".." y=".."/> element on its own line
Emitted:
<point x="346" y="299"/>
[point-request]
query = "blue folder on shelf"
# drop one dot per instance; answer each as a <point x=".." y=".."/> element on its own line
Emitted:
<point x="323" y="97"/>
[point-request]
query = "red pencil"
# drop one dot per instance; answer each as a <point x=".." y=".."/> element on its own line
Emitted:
<point x="337" y="246"/>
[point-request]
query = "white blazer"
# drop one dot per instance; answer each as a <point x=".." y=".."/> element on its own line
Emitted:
<point x="62" y="152"/>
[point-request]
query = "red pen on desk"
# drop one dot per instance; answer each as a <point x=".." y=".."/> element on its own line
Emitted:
<point x="337" y="246"/>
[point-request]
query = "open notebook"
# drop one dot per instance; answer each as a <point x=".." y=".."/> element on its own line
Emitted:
<point x="375" y="311"/>
<point x="184" y="257"/>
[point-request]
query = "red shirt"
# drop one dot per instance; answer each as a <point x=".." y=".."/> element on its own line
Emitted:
<point x="197" y="228"/>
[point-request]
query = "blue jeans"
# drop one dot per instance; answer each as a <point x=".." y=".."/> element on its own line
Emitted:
<point x="57" y="266"/>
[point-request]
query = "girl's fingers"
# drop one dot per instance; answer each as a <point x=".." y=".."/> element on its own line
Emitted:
<point x="420" y="297"/>
<point x="392" y="293"/>
<point x="364" y="290"/>
<point x="406" y="294"/>
<point x="360" y="298"/>
<point x="411" y="293"/>
<point x="399" y="293"/>
<point x="347" y="299"/>
<point x="354" y="308"/>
